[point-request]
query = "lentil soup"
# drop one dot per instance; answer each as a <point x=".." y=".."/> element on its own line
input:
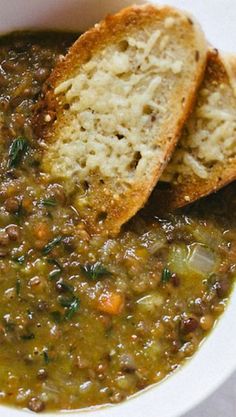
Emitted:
<point x="87" y="320"/>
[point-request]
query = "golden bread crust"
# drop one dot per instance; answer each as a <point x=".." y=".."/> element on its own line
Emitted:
<point x="118" y="208"/>
<point x="186" y="189"/>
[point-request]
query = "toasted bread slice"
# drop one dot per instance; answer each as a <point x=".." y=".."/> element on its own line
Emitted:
<point x="205" y="157"/>
<point x="120" y="99"/>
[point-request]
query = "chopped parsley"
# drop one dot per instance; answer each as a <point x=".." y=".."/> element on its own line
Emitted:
<point x="28" y="336"/>
<point x="51" y="245"/>
<point x="30" y="314"/>
<point x="71" y="305"/>
<point x="48" y="202"/>
<point x="54" y="274"/>
<point x="46" y="357"/>
<point x="53" y="261"/>
<point x="17" y="149"/>
<point x="66" y="287"/>
<point x="95" y="271"/>
<point x="72" y="309"/>
<point x="56" y="316"/>
<point x="166" y="275"/>
<point x="18" y="285"/>
<point x="20" y="260"/>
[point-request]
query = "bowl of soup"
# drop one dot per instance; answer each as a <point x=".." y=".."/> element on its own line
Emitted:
<point x="138" y="323"/>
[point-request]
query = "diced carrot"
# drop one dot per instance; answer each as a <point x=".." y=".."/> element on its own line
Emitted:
<point x="111" y="303"/>
<point x="42" y="231"/>
<point x="27" y="204"/>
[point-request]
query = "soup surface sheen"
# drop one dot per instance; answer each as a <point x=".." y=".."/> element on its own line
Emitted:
<point x="87" y="320"/>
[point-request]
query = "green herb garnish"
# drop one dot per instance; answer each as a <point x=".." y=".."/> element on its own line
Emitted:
<point x="46" y="357"/>
<point x="166" y="275"/>
<point x="56" y="316"/>
<point x="18" y="285"/>
<point x="28" y="336"/>
<point x="48" y="202"/>
<point x="54" y="274"/>
<point x="30" y="314"/>
<point x="72" y="305"/>
<point x="51" y="245"/>
<point x="211" y="280"/>
<point x="65" y="302"/>
<point x="20" y="260"/>
<point x="95" y="271"/>
<point x="53" y="261"/>
<point x="10" y="326"/>
<point x="17" y="149"/>
<point x="66" y="287"/>
<point x="34" y="163"/>
<point x="19" y="213"/>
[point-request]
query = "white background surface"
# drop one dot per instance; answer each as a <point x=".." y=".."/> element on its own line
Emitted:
<point x="217" y="18"/>
<point x="220" y="404"/>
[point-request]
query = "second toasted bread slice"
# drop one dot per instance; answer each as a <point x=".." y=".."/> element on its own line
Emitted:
<point x="120" y="99"/>
<point x="205" y="158"/>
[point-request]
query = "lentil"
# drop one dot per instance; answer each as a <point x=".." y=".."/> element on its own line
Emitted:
<point x="86" y="320"/>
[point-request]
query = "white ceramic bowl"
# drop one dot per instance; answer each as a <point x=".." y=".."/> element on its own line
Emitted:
<point x="216" y="359"/>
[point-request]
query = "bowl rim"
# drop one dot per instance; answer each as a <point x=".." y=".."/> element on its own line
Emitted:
<point x="209" y="367"/>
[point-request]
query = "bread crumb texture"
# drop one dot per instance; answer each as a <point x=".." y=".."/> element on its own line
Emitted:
<point x="114" y="101"/>
<point x="209" y="137"/>
<point x="121" y="108"/>
<point x="205" y="157"/>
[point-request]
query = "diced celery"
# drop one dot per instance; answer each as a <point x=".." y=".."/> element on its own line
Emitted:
<point x="201" y="260"/>
<point x="195" y="260"/>
<point x="209" y="236"/>
<point x="150" y="302"/>
<point x="178" y="259"/>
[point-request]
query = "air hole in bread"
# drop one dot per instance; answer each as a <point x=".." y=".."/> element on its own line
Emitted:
<point x="123" y="45"/>
<point x="147" y="109"/>
<point x="66" y="106"/>
<point x="101" y="217"/>
<point x="82" y="188"/>
<point x="82" y="162"/>
<point x="125" y="76"/>
<point x="136" y="158"/>
<point x="119" y="137"/>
